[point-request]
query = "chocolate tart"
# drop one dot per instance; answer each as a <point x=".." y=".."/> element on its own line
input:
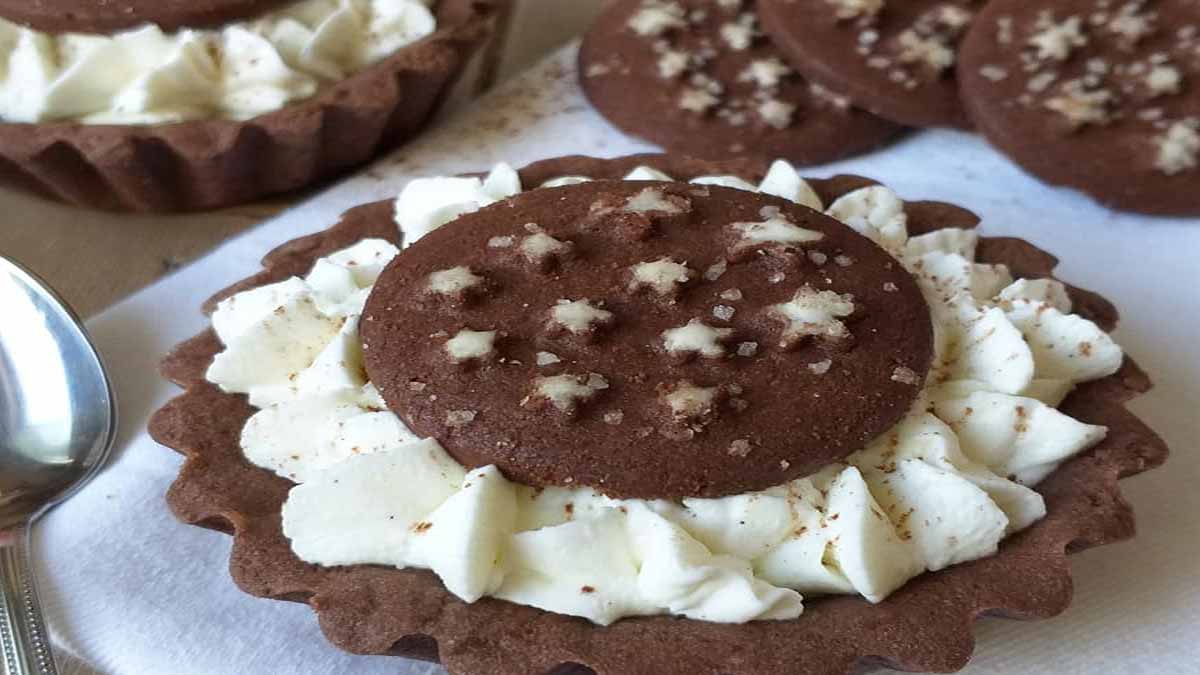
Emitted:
<point x="213" y="163"/>
<point x="926" y="625"/>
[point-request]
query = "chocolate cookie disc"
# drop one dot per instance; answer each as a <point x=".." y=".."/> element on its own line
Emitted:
<point x="895" y="58"/>
<point x="1103" y="97"/>
<point x="110" y="16"/>
<point x="698" y="77"/>
<point x="651" y="340"/>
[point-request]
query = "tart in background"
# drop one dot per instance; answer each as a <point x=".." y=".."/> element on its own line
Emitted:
<point x="179" y="136"/>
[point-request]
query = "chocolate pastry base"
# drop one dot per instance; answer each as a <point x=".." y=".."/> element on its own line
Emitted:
<point x="110" y="16"/>
<point x="208" y="164"/>
<point x="926" y="625"/>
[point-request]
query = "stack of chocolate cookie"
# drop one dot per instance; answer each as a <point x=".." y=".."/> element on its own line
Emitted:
<point x="1096" y="95"/>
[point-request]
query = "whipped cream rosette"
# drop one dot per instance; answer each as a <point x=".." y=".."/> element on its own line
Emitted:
<point x="941" y="489"/>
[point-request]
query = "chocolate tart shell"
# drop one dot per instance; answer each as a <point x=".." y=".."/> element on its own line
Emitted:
<point x="213" y="163"/>
<point x="926" y="625"/>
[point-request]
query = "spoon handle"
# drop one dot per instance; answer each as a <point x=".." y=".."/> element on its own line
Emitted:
<point x="26" y="648"/>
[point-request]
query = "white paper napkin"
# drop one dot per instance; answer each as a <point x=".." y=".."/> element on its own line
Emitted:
<point x="130" y="590"/>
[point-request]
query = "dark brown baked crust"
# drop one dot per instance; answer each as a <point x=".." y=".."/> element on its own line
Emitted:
<point x="624" y="439"/>
<point x="1114" y="161"/>
<point x="926" y="625"/>
<point x="826" y="50"/>
<point x="208" y="164"/>
<point x="110" y="16"/>
<point x="619" y="72"/>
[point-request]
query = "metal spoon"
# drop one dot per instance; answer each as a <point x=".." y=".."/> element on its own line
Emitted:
<point x="57" y="424"/>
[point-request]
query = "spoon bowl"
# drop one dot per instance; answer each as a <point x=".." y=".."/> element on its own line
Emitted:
<point x="57" y="425"/>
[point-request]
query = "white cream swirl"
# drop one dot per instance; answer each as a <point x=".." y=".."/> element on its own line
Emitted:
<point x="246" y="69"/>
<point x="944" y="486"/>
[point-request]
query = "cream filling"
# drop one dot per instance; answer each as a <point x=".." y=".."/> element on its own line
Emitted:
<point x="246" y="69"/>
<point x="945" y="486"/>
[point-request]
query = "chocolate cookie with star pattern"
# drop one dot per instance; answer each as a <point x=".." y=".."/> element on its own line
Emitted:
<point x="895" y="58"/>
<point x="1096" y="95"/>
<point x="699" y="77"/>
<point x="649" y="340"/>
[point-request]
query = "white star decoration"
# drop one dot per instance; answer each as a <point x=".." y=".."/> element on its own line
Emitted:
<point x="579" y="316"/>
<point x="690" y="402"/>
<point x="454" y="281"/>
<point x="471" y="344"/>
<point x="696" y="338"/>
<point x="775" y="228"/>
<point x="665" y="276"/>
<point x="567" y="392"/>
<point x="813" y="313"/>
